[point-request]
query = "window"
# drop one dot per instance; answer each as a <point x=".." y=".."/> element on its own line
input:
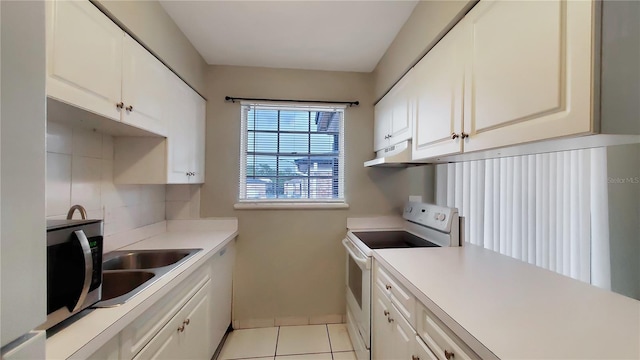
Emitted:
<point x="292" y="154"/>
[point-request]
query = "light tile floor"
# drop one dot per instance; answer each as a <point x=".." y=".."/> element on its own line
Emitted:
<point x="305" y="342"/>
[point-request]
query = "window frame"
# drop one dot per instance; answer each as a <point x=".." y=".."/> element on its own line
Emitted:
<point x="295" y="203"/>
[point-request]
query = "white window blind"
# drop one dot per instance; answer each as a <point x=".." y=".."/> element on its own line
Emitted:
<point x="292" y="153"/>
<point x="547" y="209"/>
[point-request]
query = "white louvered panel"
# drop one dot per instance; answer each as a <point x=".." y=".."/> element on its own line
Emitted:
<point x="516" y="234"/>
<point x="488" y="233"/>
<point x="495" y="203"/>
<point x="555" y="208"/>
<point x="564" y="253"/>
<point x="584" y="208"/>
<point x="531" y="210"/>
<point x="547" y="209"/>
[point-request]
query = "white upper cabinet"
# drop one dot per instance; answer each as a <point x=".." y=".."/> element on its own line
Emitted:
<point x="186" y="135"/>
<point x="440" y="85"/>
<point x="393" y="121"/>
<point x="95" y="66"/>
<point x="530" y="75"/>
<point x="144" y="88"/>
<point x="84" y="64"/>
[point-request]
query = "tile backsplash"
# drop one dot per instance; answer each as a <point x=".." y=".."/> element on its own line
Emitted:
<point x="80" y="171"/>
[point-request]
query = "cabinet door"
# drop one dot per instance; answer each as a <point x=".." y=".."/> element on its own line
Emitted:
<point x="179" y="139"/>
<point x="84" y="57"/>
<point x="198" y="139"/>
<point x="530" y="76"/>
<point x="383" y="113"/>
<point x="402" y="335"/>
<point x="403" y="108"/>
<point x="144" y="88"/>
<point x="381" y="342"/>
<point x="421" y="351"/>
<point x="179" y="339"/>
<point x="440" y="83"/>
<point x="221" y="292"/>
<point x="197" y="332"/>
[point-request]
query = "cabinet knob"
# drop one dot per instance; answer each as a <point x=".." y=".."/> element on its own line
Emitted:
<point x="448" y="354"/>
<point x="454" y="136"/>
<point x="129" y="108"/>
<point x="464" y="135"/>
<point x="387" y="286"/>
<point x="386" y="313"/>
<point x="181" y="328"/>
<point x="413" y="357"/>
<point x="390" y="320"/>
<point x="120" y="105"/>
<point x="186" y="322"/>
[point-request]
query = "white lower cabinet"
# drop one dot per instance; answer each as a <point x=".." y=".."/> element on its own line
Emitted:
<point x="108" y="351"/>
<point x="187" y="323"/>
<point x="187" y="335"/>
<point x="401" y="332"/>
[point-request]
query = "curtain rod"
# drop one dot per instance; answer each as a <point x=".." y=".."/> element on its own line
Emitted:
<point x="349" y="103"/>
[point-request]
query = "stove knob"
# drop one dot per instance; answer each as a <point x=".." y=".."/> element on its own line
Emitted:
<point x="441" y="217"/>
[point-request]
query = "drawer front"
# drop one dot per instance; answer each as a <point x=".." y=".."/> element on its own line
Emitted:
<point x="440" y="339"/>
<point x="400" y="297"/>
<point x="137" y="334"/>
<point x="421" y="351"/>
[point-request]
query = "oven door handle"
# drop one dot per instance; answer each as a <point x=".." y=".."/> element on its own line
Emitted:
<point x="361" y="261"/>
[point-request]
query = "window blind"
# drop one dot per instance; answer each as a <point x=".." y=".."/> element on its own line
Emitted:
<point x="292" y="153"/>
<point x="547" y="209"/>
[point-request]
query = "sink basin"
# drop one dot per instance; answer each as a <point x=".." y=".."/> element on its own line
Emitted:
<point x="118" y="283"/>
<point x="127" y="273"/>
<point x="143" y="259"/>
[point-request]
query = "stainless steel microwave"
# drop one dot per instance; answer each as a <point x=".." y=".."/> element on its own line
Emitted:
<point x="74" y="267"/>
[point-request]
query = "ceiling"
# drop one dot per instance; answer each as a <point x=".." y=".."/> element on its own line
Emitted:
<point x="315" y="35"/>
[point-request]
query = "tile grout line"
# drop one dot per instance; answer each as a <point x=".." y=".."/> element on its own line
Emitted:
<point x="277" y="340"/>
<point x="326" y="326"/>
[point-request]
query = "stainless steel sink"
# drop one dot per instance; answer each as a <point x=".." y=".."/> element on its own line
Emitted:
<point x="127" y="273"/>
<point x="144" y="259"/>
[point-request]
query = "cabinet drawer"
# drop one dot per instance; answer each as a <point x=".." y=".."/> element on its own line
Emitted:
<point x="398" y="294"/>
<point x="440" y="338"/>
<point x="421" y="351"/>
<point x="146" y="326"/>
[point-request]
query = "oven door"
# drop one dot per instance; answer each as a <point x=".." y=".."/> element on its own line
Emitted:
<point x="358" y="286"/>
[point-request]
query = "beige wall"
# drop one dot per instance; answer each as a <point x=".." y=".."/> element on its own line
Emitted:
<point x="428" y="23"/>
<point x="290" y="263"/>
<point x="148" y="21"/>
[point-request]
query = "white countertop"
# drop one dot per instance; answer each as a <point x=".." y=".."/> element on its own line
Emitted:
<point x="514" y="309"/>
<point x="89" y="333"/>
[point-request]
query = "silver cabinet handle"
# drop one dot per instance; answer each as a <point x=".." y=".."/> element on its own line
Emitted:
<point x="120" y="105"/>
<point x="387" y="286"/>
<point x="390" y="320"/>
<point x="88" y="268"/>
<point x="186" y="322"/>
<point x="129" y="108"/>
<point x="448" y="354"/>
<point x="386" y="313"/>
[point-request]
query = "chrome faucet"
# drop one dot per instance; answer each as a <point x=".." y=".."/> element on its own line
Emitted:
<point x="83" y="212"/>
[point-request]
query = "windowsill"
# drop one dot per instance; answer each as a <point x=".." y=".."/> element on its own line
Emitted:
<point x="289" y="205"/>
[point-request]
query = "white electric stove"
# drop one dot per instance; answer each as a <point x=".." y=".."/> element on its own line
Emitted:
<point x="423" y="225"/>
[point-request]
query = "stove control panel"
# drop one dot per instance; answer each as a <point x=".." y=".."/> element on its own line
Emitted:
<point x="433" y="216"/>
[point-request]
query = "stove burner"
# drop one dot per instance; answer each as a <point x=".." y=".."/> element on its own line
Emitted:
<point x="391" y="239"/>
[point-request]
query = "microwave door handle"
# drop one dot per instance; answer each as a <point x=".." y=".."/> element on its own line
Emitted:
<point x="88" y="268"/>
<point x="363" y="262"/>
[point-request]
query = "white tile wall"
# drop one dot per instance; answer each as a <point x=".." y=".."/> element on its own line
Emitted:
<point x="80" y="171"/>
<point x="183" y="202"/>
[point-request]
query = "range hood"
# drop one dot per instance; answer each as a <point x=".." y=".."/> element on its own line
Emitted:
<point x="398" y="155"/>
